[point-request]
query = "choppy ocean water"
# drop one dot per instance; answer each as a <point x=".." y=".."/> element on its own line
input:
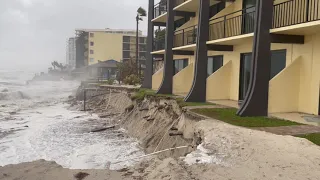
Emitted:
<point x="36" y="123"/>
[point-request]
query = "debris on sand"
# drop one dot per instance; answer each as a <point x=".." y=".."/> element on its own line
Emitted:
<point x="103" y="129"/>
<point x="80" y="175"/>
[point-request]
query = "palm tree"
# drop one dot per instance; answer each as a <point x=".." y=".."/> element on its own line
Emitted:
<point x="140" y="13"/>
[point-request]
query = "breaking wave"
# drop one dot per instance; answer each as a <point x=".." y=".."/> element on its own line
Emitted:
<point x="13" y="95"/>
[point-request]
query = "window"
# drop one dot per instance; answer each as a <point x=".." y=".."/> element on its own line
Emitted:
<point x="126" y="39"/>
<point x="92" y="35"/>
<point x="91" y="59"/>
<point x="126" y="54"/>
<point x="126" y="46"/>
<point x="214" y="63"/>
<point x="216" y="8"/>
<point x="91" y="43"/>
<point x="179" y="64"/>
<point x="91" y="52"/>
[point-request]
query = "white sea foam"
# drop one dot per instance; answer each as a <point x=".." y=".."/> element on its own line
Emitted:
<point x="41" y="127"/>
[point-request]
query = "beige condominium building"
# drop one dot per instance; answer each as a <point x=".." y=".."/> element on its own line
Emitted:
<point x="261" y="55"/>
<point x="94" y="45"/>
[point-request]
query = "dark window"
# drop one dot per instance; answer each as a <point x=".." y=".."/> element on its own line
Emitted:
<point x="142" y="40"/>
<point x="126" y="54"/>
<point x="126" y="39"/>
<point x="214" y="63"/>
<point x="126" y="46"/>
<point x="91" y="43"/>
<point x="91" y="35"/>
<point x="215" y="9"/>
<point x="179" y="64"/>
<point x="91" y="52"/>
<point x="180" y="22"/>
<point x="249" y="7"/>
<point x="278" y="63"/>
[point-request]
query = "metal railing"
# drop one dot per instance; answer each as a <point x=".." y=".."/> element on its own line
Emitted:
<point x="233" y="24"/>
<point x="178" y="2"/>
<point x="185" y="36"/>
<point x="295" y="12"/>
<point x="159" y="43"/>
<point x="287" y="13"/>
<point x="160" y="8"/>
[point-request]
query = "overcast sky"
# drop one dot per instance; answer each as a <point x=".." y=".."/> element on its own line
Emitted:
<point x="33" y="33"/>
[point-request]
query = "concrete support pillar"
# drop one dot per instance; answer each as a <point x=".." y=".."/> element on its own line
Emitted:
<point x="198" y="89"/>
<point x="166" y="85"/>
<point x="256" y="101"/>
<point x="148" y="72"/>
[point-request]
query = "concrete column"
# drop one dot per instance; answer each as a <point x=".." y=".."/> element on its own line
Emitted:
<point x="198" y="89"/>
<point x="256" y="101"/>
<point x="166" y="85"/>
<point x="148" y="72"/>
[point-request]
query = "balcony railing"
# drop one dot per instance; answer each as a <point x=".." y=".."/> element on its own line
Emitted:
<point x="233" y="24"/>
<point x="159" y="43"/>
<point x="160" y="8"/>
<point x="178" y="2"/>
<point x="185" y="36"/>
<point x="288" y="13"/>
<point x="295" y="12"/>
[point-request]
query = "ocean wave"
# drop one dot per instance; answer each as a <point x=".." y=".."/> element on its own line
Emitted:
<point x="11" y="84"/>
<point x="13" y="95"/>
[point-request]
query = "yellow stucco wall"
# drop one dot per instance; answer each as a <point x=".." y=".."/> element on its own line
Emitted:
<point x="218" y="84"/>
<point x="284" y="89"/>
<point x="157" y="79"/>
<point x="182" y="81"/>
<point x="106" y="46"/>
<point x="309" y="79"/>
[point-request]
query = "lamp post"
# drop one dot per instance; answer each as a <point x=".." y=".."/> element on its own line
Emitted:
<point x="140" y="13"/>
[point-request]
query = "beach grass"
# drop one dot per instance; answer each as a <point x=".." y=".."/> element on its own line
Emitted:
<point x="142" y="93"/>
<point x="182" y="103"/>
<point x="315" y="138"/>
<point x="228" y="115"/>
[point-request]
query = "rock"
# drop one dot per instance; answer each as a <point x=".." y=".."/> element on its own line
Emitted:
<point x="26" y="126"/>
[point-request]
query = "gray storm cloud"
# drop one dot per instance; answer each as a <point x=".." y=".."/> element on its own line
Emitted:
<point x="33" y="32"/>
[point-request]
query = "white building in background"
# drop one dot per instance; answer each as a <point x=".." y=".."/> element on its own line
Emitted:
<point x="71" y="53"/>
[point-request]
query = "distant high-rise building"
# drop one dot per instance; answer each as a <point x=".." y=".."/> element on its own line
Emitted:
<point x="71" y="53"/>
<point x="94" y="45"/>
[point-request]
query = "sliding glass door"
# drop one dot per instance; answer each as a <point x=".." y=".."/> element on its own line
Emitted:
<point x="278" y="63"/>
<point x="245" y="73"/>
